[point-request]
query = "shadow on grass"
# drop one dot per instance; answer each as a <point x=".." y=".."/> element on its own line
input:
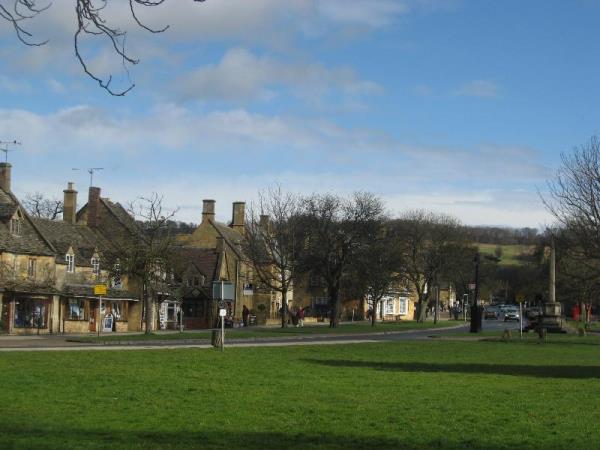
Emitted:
<point x="486" y="369"/>
<point x="29" y="437"/>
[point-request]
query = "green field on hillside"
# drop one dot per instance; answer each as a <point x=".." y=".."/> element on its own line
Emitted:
<point x="512" y="255"/>
<point x="422" y="394"/>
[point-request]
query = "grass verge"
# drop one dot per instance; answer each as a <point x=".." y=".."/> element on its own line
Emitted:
<point x="424" y="394"/>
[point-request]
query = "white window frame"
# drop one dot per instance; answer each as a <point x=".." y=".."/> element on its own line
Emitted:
<point x="95" y="262"/>
<point x="15" y="226"/>
<point x="389" y="306"/>
<point x="403" y="306"/>
<point x="70" y="260"/>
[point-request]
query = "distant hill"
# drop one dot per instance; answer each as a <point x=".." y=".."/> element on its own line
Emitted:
<point x="510" y="255"/>
<point x="504" y="236"/>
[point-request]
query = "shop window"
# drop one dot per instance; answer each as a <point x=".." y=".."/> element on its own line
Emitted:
<point x="76" y="309"/>
<point x="30" y="314"/>
<point x="119" y="310"/>
<point x="389" y="306"/>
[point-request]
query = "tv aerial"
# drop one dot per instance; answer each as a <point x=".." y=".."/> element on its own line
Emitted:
<point x="91" y="171"/>
<point x="5" y="149"/>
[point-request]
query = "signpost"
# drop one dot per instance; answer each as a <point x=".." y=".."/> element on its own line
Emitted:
<point x="521" y="299"/>
<point x="99" y="291"/>
<point x="223" y="290"/>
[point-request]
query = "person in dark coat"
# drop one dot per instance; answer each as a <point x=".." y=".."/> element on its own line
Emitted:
<point x="245" y="315"/>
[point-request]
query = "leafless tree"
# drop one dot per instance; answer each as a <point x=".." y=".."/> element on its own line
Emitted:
<point x="37" y="205"/>
<point x="91" y="21"/>
<point x="145" y="255"/>
<point x="574" y="200"/>
<point x="379" y="269"/>
<point x="337" y="230"/>
<point x="429" y="241"/>
<point x="271" y="241"/>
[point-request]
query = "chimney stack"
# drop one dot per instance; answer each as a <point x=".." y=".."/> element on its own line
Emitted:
<point x="265" y="222"/>
<point x="5" y="176"/>
<point x="237" y="222"/>
<point x="93" y="207"/>
<point x="208" y="210"/>
<point x="70" y="204"/>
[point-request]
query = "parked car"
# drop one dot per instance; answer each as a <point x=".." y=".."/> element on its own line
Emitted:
<point x="491" y="312"/>
<point x="511" y="314"/>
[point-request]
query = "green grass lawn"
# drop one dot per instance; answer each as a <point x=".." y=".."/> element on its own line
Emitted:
<point x="424" y="394"/>
<point x="511" y="254"/>
<point x="257" y="333"/>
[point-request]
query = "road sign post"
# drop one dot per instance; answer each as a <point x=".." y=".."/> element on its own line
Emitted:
<point x="99" y="291"/>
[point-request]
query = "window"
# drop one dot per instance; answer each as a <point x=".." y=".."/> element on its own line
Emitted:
<point x="389" y="306"/>
<point x="15" y="226"/>
<point x="116" y="280"/>
<point x="403" y="305"/>
<point x="70" y="260"/>
<point x="31" y="268"/>
<point x="95" y="265"/>
<point x="76" y="309"/>
<point x="119" y="310"/>
<point x="30" y="314"/>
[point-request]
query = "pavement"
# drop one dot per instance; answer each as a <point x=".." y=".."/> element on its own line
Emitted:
<point x="66" y="343"/>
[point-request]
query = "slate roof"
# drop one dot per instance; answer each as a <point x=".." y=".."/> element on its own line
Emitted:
<point x="81" y="238"/>
<point x="30" y="241"/>
<point x="204" y="259"/>
<point x="122" y="215"/>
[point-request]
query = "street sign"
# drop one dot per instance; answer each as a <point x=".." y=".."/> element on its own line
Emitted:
<point x="222" y="312"/>
<point x="223" y="290"/>
<point x="472" y="286"/>
<point x="100" y="289"/>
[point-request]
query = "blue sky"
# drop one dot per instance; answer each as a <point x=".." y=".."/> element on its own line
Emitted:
<point x="457" y="106"/>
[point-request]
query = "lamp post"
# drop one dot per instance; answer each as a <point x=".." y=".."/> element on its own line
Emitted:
<point x="475" y="308"/>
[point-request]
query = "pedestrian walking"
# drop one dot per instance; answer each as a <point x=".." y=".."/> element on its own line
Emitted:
<point x="300" y="315"/>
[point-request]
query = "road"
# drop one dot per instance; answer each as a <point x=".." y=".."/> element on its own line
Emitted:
<point x="60" y="343"/>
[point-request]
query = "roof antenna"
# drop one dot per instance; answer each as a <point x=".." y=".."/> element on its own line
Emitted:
<point x="91" y="171"/>
<point x="6" y="149"/>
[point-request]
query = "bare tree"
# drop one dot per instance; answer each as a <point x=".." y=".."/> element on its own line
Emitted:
<point x="378" y="268"/>
<point x="574" y="201"/>
<point x="271" y="241"/>
<point x="429" y="241"/>
<point x="145" y="256"/>
<point x="91" y="21"/>
<point x="337" y="230"/>
<point x="37" y="205"/>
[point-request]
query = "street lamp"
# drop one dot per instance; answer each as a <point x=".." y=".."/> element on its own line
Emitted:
<point x="475" y="308"/>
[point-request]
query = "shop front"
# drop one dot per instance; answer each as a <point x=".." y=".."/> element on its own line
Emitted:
<point x="25" y="313"/>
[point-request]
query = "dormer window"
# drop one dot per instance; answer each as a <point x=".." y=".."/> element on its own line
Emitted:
<point x="70" y="260"/>
<point x="15" y="226"/>
<point x="95" y="265"/>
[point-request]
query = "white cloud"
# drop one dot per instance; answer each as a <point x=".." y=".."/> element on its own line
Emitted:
<point x="478" y="88"/>
<point x="372" y="13"/>
<point x="241" y="76"/>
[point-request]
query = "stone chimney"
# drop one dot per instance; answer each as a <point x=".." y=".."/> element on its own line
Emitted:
<point x="5" y="176"/>
<point x="208" y="210"/>
<point x="70" y="204"/>
<point x="265" y="222"/>
<point x="93" y="207"/>
<point x="237" y="221"/>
